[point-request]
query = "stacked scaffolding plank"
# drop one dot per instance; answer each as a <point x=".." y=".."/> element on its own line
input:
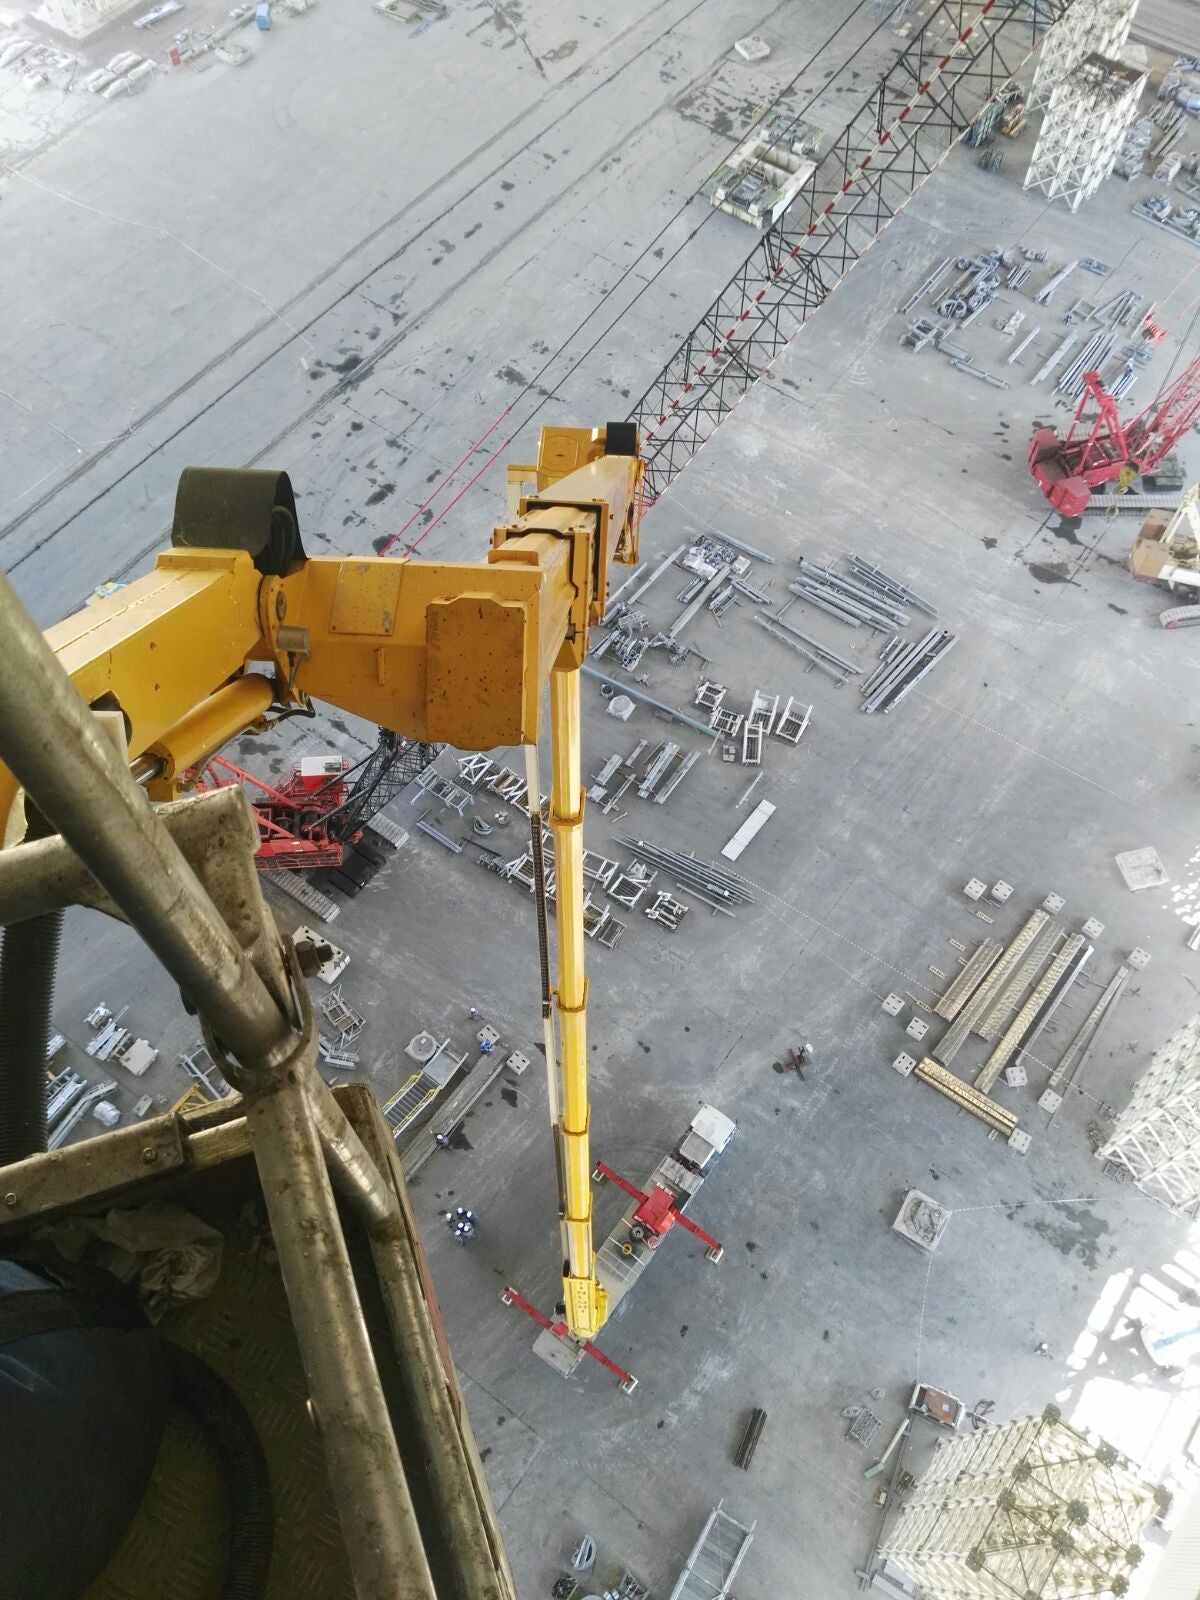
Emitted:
<point x="1157" y="1137"/>
<point x="955" y="64"/>
<point x="1089" y="112"/>
<point x="1030" y="1510"/>
<point x="1093" y="27"/>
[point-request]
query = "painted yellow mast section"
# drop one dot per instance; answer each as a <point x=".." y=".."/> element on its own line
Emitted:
<point x="459" y="653"/>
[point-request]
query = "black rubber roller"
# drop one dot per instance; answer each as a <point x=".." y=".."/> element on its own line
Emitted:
<point x="239" y="508"/>
<point x="620" y="438"/>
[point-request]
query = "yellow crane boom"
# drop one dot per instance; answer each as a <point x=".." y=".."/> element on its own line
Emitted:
<point x="235" y="624"/>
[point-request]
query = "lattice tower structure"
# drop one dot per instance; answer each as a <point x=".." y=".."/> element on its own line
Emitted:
<point x="81" y="18"/>
<point x="1094" y="27"/>
<point x="1086" y="121"/>
<point x="1157" y="1137"/>
<point x="1029" y="1510"/>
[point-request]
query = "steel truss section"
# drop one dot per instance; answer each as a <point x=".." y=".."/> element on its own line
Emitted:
<point x="1089" y="113"/>
<point x="961" y="59"/>
<point x="1157" y="1137"/>
<point x="1029" y="1510"/>
<point x="1099" y="26"/>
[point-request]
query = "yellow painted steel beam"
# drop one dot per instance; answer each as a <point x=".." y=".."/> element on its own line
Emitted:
<point x="453" y="652"/>
<point x="438" y="651"/>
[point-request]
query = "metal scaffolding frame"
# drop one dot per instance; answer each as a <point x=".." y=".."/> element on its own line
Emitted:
<point x="1157" y="1137"/>
<point x="1029" y="1510"/>
<point x="1094" y="27"/>
<point x="1089" y="113"/>
<point x="961" y="58"/>
<point x="80" y="18"/>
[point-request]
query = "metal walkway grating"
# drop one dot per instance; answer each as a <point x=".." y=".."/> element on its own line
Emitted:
<point x="715" y="1558"/>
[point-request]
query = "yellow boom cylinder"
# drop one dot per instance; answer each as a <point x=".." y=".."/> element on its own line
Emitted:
<point x="586" y="1302"/>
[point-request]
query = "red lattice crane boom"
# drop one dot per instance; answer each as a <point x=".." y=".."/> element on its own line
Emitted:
<point x="1068" y="470"/>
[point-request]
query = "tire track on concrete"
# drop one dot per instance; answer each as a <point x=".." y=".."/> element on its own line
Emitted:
<point x="386" y="347"/>
<point x="336" y="266"/>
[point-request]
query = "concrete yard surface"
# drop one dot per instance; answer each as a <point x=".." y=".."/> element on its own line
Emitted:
<point x="1057" y="734"/>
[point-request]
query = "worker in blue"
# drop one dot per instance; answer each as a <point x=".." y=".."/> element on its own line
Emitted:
<point x="461" y="1222"/>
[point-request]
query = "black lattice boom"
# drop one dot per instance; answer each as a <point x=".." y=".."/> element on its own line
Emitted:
<point x="961" y="59"/>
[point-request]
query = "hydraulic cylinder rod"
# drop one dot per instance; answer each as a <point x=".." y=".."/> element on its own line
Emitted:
<point x="586" y="1302"/>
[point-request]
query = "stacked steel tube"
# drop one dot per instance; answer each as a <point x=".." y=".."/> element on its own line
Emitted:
<point x="715" y="886"/>
<point x="901" y="668"/>
<point x="875" y="578"/>
<point x="1095" y="351"/>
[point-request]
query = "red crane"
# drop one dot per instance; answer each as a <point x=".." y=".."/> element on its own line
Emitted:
<point x="317" y="815"/>
<point x="1067" y="470"/>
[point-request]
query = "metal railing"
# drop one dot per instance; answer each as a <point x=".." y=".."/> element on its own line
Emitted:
<point x="172" y="873"/>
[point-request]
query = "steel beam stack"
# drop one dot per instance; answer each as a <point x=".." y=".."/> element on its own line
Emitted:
<point x="902" y="668"/>
<point x="847" y="599"/>
<point x="1096" y="350"/>
<point x="716" y="887"/>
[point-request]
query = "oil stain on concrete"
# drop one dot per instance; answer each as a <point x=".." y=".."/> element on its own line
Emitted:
<point x="1076" y="1232"/>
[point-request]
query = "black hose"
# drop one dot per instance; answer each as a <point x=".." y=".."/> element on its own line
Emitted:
<point x="206" y="1396"/>
<point x="28" y="963"/>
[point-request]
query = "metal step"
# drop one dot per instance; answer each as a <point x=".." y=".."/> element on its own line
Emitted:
<point x="1107" y="504"/>
<point x="409" y="1101"/>
<point x="715" y="1558"/>
<point x="387" y="829"/>
<point x="298" y="888"/>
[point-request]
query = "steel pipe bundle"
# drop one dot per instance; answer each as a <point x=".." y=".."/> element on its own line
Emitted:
<point x="876" y="578"/>
<point x="721" y="888"/>
<point x="1096" y="350"/>
<point x="857" y="591"/>
<point x="751" y="1434"/>
<point x="903" y="667"/>
<point x="841" y="603"/>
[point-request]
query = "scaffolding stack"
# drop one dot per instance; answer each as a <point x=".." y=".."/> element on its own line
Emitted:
<point x="1030" y="1510"/>
<point x="1090" y="110"/>
<point x="1157" y="1137"/>
<point x="1090" y="27"/>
